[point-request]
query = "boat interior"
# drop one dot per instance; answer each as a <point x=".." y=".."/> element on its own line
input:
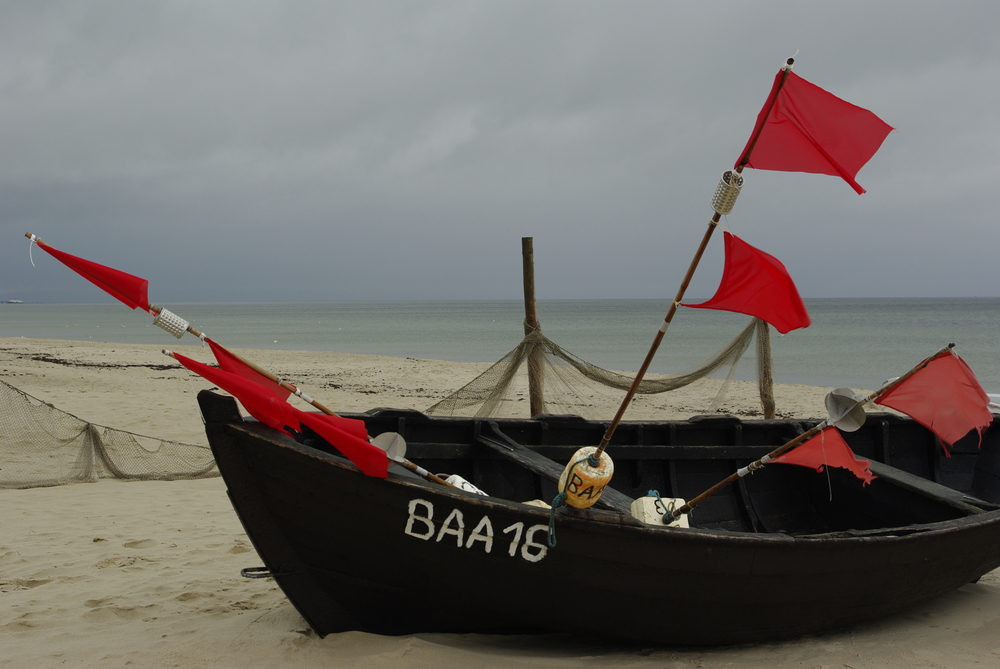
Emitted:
<point x="520" y="460"/>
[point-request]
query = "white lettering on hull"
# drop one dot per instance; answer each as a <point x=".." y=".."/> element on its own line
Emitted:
<point x="420" y="524"/>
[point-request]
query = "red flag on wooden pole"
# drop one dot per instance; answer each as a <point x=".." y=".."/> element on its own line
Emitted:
<point x="945" y="397"/>
<point x="757" y="284"/>
<point x="129" y="289"/>
<point x="803" y="128"/>
<point x="268" y="409"/>
<point x="827" y="449"/>
<point x="369" y="458"/>
<point x="261" y="404"/>
<point x="234" y="365"/>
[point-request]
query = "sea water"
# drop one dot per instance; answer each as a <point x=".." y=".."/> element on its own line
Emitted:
<point x="857" y="343"/>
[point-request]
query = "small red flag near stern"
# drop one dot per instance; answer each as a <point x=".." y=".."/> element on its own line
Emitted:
<point x="945" y="397"/>
<point x="827" y="449"/>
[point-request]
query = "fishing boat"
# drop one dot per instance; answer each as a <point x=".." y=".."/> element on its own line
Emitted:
<point x="397" y="522"/>
<point x="784" y="552"/>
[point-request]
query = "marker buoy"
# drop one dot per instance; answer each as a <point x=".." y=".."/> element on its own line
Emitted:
<point x="583" y="481"/>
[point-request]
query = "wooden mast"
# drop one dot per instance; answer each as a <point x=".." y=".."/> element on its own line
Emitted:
<point x="630" y="395"/>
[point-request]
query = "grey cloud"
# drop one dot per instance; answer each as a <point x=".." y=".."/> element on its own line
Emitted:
<point x="400" y="150"/>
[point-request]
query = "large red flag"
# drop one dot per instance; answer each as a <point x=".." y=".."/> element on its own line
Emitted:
<point x="231" y="363"/>
<point x="342" y="433"/>
<point x="130" y="289"/>
<point x="945" y="397"/>
<point x="757" y="284"/>
<point x="370" y="459"/>
<point x="803" y="128"/>
<point x="234" y="365"/>
<point x="827" y="449"/>
<point x="260" y="403"/>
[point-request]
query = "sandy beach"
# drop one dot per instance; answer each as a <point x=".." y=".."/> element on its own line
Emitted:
<point x="147" y="574"/>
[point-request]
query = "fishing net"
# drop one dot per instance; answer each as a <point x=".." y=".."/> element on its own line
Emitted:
<point x="43" y="446"/>
<point x="541" y="374"/>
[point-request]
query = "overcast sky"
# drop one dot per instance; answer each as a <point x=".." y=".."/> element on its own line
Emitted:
<point x="325" y="151"/>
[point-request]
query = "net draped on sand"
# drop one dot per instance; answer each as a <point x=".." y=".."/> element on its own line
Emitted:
<point x="43" y="446"/>
<point x="558" y="382"/>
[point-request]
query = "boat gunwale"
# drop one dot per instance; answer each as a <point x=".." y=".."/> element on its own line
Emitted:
<point x="614" y="521"/>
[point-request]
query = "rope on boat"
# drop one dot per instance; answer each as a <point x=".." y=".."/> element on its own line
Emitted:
<point x="559" y="501"/>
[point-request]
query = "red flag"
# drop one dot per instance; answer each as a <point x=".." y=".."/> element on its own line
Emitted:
<point x="827" y="449"/>
<point x="260" y="403"/>
<point x="234" y="365"/>
<point x="341" y="433"/>
<point x="945" y="397"/>
<point x="370" y="459"/>
<point x="803" y="128"/>
<point x="352" y="426"/>
<point x="125" y="287"/>
<point x="757" y="284"/>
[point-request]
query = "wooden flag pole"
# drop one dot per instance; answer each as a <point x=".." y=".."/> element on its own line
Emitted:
<point x="413" y="467"/>
<point x="606" y="439"/>
<point x="712" y="224"/>
<point x="797" y="441"/>
<point x="153" y="309"/>
<point x="157" y="311"/>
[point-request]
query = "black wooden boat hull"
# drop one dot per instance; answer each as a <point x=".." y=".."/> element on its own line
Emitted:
<point x="401" y="555"/>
